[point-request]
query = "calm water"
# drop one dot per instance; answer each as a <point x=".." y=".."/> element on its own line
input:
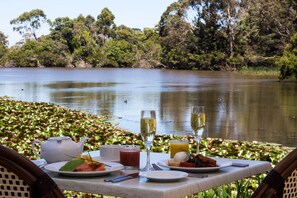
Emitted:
<point x="237" y="107"/>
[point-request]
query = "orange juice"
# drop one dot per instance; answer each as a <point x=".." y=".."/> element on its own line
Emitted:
<point x="178" y="146"/>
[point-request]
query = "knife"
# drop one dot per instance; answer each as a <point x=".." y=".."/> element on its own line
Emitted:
<point x="237" y="164"/>
<point x="121" y="178"/>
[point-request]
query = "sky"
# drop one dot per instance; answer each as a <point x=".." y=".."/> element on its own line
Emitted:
<point x="132" y="13"/>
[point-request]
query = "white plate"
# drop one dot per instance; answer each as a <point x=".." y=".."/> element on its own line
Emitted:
<point x="220" y="162"/>
<point x="111" y="167"/>
<point x="163" y="175"/>
<point x="40" y="163"/>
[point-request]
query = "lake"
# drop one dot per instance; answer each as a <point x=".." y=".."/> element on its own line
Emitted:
<point x="239" y="107"/>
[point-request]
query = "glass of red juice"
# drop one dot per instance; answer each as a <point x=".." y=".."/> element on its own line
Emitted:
<point x="130" y="156"/>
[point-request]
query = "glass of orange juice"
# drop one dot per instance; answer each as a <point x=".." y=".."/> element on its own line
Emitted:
<point x="178" y="146"/>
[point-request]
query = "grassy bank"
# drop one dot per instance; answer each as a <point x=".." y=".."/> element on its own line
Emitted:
<point x="260" y="71"/>
<point x="22" y="122"/>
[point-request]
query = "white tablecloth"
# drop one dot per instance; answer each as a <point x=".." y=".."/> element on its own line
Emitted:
<point x="142" y="187"/>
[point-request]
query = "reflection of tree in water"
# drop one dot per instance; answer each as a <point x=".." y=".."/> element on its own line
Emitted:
<point x="89" y="96"/>
<point x="246" y="111"/>
<point x="265" y="114"/>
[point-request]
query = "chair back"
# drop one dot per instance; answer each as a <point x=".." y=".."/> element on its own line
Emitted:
<point x="19" y="177"/>
<point x="280" y="182"/>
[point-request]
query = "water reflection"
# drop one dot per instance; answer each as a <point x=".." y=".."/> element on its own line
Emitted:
<point x="237" y="107"/>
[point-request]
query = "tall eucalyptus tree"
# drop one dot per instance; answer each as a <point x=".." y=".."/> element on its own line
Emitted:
<point x="105" y="24"/>
<point x="28" y="23"/>
<point x="3" y="44"/>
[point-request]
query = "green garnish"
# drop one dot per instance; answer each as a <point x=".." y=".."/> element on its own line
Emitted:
<point x="71" y="165"/>
<point x="193" y="159"/>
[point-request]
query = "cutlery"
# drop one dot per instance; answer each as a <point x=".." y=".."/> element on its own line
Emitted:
<point x="198" y="175"/>
<point x="237" y="164"/>
<point x="121" y="178"/>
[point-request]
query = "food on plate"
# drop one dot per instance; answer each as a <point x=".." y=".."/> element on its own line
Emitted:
<point x="173" y="163"/>
<point x="83" y="163"/>
<point x="206" y="161"/>
<point x="183" y="159"/>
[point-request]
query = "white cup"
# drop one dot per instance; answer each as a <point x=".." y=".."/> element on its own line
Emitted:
<point x="110" y="152"/>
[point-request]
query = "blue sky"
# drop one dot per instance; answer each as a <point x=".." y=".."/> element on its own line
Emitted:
<point x="132" y="13"/>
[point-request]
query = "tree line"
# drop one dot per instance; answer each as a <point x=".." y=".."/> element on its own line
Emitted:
<point x="191" y="34"/>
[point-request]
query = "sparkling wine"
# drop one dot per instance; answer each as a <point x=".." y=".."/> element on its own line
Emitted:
<point x="148" y="129"/>
<point x="197" y="121"/>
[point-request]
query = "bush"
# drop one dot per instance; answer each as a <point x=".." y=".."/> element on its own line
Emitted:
<point x="288" y="62"/>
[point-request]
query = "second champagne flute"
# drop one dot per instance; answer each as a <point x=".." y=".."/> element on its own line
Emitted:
<point x="148" y="131"/>
<point x="198" y="123"/>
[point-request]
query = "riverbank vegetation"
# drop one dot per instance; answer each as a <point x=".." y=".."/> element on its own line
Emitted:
<point x="22" y="122"/>
<point x="200" y="35"/>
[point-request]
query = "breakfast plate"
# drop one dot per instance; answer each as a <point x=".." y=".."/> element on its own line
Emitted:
<point x="110" y="167"/>
<point x="162" y="176"/>
<point x="221" y="163"/>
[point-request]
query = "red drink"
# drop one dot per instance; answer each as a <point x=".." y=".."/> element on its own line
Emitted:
<point x="130" y="156"/>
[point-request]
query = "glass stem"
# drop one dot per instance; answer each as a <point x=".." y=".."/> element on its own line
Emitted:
<point x="197" y="143"/>
<point x="148" y="150"/>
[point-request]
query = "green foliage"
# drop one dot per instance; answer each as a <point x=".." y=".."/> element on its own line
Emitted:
<point x="47" y="53"/>
<point x="119" y="53"/>
<point x="287" y="66"/>
<point x="52" y="53"/>
<point x="3" y="45"/>
<point x="265" y="30"/>
<point x="3" y="40"/>
<point x="84" y="47"/>
<point x="29" y="22"/>
<point x="211" y="61"/>
<point x="24" y="56"/>
<point x="62" y="31"/>
<point x="260" y="71"/>
<point x="22" y="122"/>
<point x="3" y="51"/>
<point x="105" y="23"/>
<point x="288" y="62"/>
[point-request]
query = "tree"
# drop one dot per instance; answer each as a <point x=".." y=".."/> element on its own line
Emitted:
<point x="3" y="39"/>
<point x="26" y="55"/>
<point x="265" y="29"/>
<point x="84" y="47"/>
<point x="105" y="24"/>
<point x="176" y="34"/>
<point x="62" y="30"/>
<point x="231" y="12"/>
<point x="288" y="62"/>
<point x="119" y="53"/>
<point x="3" y="44"/>
<point x="28" y="23"/>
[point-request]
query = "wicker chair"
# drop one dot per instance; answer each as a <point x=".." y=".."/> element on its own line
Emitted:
<point x="280" y="181"/>
<point x="19" y="177"/>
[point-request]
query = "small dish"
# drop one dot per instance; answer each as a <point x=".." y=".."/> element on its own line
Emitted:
<point x="162" y="176"/>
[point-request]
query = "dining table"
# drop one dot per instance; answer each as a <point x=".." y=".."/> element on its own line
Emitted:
<point x="145" y="187"/>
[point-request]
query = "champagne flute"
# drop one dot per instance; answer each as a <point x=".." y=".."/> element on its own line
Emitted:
<point x="148" y="131"/>
<point x="198" y="123"/>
